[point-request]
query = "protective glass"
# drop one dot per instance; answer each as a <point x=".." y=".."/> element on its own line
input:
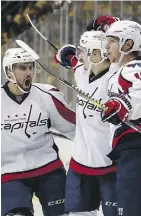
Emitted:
<point x="80" y="51"/>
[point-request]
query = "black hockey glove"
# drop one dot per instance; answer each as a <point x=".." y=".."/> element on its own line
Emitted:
<point x="65" y="54"/>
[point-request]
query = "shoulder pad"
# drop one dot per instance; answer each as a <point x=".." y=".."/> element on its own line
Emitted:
<point x="45" y="87"/>
<point x="51" y="90"/>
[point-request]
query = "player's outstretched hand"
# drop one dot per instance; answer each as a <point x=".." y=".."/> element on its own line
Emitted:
<point x="115" y="112"/>
<point x="65" y="55"/>
<point x="102" y="23"/>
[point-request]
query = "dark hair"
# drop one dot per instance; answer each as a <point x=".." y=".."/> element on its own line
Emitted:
<point x="135" y="53"/>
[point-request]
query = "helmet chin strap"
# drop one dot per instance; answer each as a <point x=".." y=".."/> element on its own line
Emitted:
<point x="22" y="90"/>
<point x="122" y="53"/>
<point x="102" y="60"/>
<point x="92" y="63"/>
<point x="121" y="57"/>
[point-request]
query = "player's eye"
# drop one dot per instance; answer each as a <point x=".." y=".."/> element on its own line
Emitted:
<point x="31" y="67"/>
<point x="112" y="40"/>
<point x="22" y="67"/>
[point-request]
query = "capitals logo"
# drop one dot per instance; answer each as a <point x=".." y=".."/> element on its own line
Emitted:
<point x="26" y="123"/>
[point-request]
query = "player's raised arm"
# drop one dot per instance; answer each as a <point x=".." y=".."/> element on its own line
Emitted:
<point x="62" y="116"/>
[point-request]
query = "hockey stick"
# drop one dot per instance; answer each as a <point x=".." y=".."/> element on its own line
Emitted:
<point x="40" y="33"/>
<point x="47" y="69"/>
<point x="86" y="96"/>
<point x="79" y="91"/>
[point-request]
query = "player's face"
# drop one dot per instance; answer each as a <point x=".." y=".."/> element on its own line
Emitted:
<point x="112" y="47"/>
<point x="96" y="56"/>
<point x="24" y="74"/>
<point x="81" y="53"/>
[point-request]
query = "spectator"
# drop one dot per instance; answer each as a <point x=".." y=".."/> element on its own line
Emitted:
<point x="18" y="16"/>
<point x="17" y="22"/>
<point x="10" y="27"/>
<point x="30" y="10"/>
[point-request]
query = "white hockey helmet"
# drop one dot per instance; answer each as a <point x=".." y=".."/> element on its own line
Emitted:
<point x="91" y="40"/>
<point x="13" y="56"/>
<point x="94" y="40"/>
<point x="125" y="30"/>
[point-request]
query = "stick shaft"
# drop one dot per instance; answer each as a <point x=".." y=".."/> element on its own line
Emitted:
<point x="86" y="96"/>
<point x="79" y="91"/>
<point x="44" y="38"/>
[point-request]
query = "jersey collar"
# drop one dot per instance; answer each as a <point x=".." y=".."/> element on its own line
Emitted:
<point x="17" y="98"/>
<point x="92" y="77"/>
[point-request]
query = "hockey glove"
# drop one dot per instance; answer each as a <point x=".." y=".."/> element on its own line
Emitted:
<point x="65" y="55"/>
<point x="101" y="23"/>
<point x="115" y="112"/>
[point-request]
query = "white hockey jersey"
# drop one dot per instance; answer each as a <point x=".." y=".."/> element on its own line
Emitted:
<point x="28" y="149"/>
<point x="125" y="85"/>
<point x="92" y="140"/>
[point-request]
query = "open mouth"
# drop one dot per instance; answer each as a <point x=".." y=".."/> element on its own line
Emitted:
<point x="28" y="81"/>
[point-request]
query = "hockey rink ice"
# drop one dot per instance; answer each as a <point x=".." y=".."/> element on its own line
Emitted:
<point x="65" y="147"/>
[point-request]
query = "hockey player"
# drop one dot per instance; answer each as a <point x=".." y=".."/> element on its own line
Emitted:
<point x="123" y="46"/>
<point x="30" y="161"/>
<point x="91" y="176"/>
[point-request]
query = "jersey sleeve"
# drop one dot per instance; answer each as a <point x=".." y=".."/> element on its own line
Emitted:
<point x="129" y="82"/>
<point x="61" y="116"/>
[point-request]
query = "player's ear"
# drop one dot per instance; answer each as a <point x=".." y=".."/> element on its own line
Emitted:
<point x="128" y="45"/>
<point x="8" y="72"/>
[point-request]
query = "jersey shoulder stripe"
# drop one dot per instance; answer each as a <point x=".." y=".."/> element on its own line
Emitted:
<point x="63" y="110"/>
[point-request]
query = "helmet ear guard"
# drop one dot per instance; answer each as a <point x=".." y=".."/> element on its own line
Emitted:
<point x="7" y="70"/>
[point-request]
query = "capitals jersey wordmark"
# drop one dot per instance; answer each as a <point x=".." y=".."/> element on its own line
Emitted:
<point x="88" y="105"/>
<point x="23" y="123"/>
<point x="26" y="141"/>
